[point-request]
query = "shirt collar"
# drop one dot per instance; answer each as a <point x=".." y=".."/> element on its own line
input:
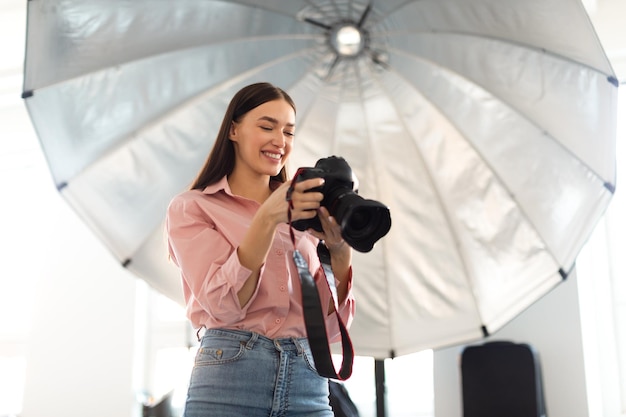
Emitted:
<point x="218" y="186"/>
<point x="223" y="185"/>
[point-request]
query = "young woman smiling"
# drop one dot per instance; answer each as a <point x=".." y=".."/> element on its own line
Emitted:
<point x="229" y="236"/>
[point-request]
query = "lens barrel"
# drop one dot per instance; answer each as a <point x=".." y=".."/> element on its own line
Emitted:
<point x="363" y="222"/>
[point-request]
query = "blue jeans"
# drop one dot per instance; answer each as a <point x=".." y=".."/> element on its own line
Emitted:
<point x="243" y="374"/>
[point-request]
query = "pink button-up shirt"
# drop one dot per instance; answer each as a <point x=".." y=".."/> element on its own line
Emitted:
<point x="204" y="230"/>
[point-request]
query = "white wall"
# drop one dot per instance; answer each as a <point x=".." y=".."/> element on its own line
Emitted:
<point x="608" y="17"/>
<point x="602" y="296"/>
<point x="67" y="309"/>
<point x="81" y="345"/>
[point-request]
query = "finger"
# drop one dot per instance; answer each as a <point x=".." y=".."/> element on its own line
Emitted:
<point x="306" y="206"/>
<point x="303" y="214"/>
<point x="325" y="217"/>
<point x="302" y="186"/>
<point x="307" y="197"/>
<point x="332" y="231"/>
<point x="319" y="235"/>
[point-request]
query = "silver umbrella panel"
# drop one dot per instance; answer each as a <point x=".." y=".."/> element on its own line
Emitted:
<point x="487" y="127"/>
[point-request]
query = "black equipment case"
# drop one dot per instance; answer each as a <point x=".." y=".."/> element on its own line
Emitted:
<point x="502" y="379"/>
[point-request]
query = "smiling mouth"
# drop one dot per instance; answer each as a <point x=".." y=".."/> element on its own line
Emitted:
<point x="275" y="156"/>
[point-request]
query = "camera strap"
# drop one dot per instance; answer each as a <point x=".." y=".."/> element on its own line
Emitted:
<point x="315" y="314"/>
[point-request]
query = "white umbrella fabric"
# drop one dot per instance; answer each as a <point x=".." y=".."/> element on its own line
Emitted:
<point x="486" y="126"/>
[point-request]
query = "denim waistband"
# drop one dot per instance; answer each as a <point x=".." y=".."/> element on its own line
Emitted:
<point x="252" y="339"/>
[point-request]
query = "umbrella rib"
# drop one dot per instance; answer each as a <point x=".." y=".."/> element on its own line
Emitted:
<point x="359" y="83"/>
<point x="607" y="184"/>
<point x="318" y="24"/>
<point x="385" y="249"/>
<point x="611" y="77"/>
<point x="262" y="7"/>
<point x="311" y="72"/>
<point x="317" y="7"/>
<point x="438" y="194"/>
<point x="398" y="33"/>
<point x="337" y="11"/>
<point x="30" y="93"/>
<point x="500" y="181"/>
<point x="364" y="16"/>
<point x="121" y="142"/>
<point x="446" y="212"/>
<point x="342" y="91"/>
<point x="332" y="67"/>
<point x="398" y="7"/>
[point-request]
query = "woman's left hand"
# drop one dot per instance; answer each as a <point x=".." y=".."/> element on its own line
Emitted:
<point x="332" y="230"/>
<point x="340" y="254"/>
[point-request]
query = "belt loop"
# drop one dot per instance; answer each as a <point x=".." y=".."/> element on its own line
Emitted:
<point x="252" y="340"/>
<point x="198" y="333"/>
<point x="299" y="347"/>
<point x="277" y="345"/>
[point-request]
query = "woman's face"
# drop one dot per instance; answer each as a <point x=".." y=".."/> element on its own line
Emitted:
<point x="263" y="138"/>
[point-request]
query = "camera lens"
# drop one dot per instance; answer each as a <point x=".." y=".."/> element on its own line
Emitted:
<point x="362" y="221"/>
<point x="359" y="219"/>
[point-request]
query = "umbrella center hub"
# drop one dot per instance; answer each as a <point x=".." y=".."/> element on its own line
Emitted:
<point x="347" y="39"/>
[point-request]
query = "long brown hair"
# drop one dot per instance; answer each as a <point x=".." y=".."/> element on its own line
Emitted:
<point x="221" y="160"/>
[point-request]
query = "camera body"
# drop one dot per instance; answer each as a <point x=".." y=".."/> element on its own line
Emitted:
<point x="362" y="222"/>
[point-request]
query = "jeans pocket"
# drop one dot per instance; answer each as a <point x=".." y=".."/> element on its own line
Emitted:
<point x="219" y="351"/>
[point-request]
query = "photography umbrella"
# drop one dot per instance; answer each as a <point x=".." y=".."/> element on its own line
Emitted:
<point x="486" y="126"/>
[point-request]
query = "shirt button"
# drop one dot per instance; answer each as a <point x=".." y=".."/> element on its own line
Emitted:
<point x="279" y="252"/>
<point x="282" y="288"/>
<point x="277" y="321"/>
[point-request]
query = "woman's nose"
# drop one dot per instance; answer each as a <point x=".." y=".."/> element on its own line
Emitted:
<point x="279" y="140"/>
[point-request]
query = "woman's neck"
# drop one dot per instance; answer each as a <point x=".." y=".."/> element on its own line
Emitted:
<point x="255" y="188"/>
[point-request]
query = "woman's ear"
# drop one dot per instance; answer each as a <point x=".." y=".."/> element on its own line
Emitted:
<point x="232" y="133"/>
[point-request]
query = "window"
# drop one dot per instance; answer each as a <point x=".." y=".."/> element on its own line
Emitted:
<point x="409" y="385"/>
<point x="602" y="271"/>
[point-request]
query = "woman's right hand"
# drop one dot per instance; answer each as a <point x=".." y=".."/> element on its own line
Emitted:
<point x="255" y="246"/>
<point x="304" y="204"/>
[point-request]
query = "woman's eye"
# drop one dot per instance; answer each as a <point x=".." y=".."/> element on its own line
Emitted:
<point x="268" y="128"/>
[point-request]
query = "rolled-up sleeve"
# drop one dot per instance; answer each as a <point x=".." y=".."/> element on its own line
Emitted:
<point x="204" y="229"/>
<point x="211" y="271"/>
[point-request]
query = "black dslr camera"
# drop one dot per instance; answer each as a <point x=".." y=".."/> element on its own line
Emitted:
<point x="362" y="221"/>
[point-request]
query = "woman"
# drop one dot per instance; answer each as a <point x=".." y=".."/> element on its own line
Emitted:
<point x="229" y="236"/>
